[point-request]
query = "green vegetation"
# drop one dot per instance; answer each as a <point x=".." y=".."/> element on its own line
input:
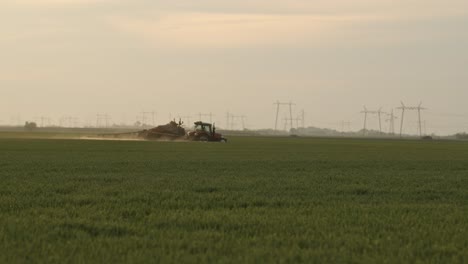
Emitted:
<point x="249" y="201"/>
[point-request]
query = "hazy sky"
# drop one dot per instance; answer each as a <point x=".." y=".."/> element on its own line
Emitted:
<point x="330" y="57"/>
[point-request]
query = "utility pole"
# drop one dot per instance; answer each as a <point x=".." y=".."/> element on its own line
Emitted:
<point x="411" y="108"/>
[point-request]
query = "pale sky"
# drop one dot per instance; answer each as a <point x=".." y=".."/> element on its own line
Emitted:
<point x="330" y="57"/>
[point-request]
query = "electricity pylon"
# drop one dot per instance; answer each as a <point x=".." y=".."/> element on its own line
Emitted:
<point x="242" y="118"/>
<point x="286" y="122"/>
<point x="278" y="104"/>
<point x="378" y="113"/>
<point x="404" y="108"/>
<point x="345" y="124"/>
<point x="391" y="119"/>
<point x="200" y="116"/>
<point x="228" y="120"/>
<point x="100" y="118"/>
<point x="303" y="118"/>
<point x="44" y="120"/>
<point x="153" y="117"/>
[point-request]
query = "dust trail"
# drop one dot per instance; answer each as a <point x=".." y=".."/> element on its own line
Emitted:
<point x="108" y="139"/>
<point x="128" y="139"/>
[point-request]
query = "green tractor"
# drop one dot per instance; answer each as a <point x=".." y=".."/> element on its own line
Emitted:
<point x="205" y="132"/>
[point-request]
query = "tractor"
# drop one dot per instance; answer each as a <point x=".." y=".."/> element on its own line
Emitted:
<point x="205" y="132"/>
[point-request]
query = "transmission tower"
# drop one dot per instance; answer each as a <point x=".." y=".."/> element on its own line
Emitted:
<point x="303" y="118"/>
<point x="75" y="121"/>
<point x="103" y="118"/>
<point x="210" y="115"/>
<point x="107" y="119"/>
<point x="43" y="120"/>
<point x="278" y="105"/>
<point x="233" y="124"/>
<point x="152" y="114"/>
<point x="404" y="108"/>
<point x="379" y="115"/>
<point x="345" y="124"/>
<point x="286" y="122"/>
<point x="16" y="120"/>
<point x="391" y="119"/>
<point x="297" y="120"/>
<point x="228" y="121"/>
<point x="242" y="119"/>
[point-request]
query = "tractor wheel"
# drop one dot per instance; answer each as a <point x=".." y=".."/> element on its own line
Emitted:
<point x="203" y="139"/>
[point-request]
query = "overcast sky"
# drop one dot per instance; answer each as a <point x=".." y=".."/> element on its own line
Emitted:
<point x="330" y="57"/>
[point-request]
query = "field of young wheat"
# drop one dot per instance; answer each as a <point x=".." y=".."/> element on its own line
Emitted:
<point x="249" y="201"/>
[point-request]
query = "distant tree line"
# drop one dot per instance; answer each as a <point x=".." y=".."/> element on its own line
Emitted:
<point x="463" y="135"/>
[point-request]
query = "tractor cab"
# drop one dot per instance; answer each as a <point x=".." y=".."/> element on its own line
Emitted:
<point x="205" y="127"/>
<point x="205" y="132"/>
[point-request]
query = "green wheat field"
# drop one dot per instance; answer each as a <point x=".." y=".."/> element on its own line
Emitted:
<point x="252" y="200"/>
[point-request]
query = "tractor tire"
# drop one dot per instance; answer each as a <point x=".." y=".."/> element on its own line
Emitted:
<point x="203" y="139"/>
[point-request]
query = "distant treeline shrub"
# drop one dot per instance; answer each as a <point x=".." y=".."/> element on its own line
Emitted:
<point x="463" y="135"/>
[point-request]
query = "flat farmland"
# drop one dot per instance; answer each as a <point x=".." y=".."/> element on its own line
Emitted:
<point x="253" y="200"/>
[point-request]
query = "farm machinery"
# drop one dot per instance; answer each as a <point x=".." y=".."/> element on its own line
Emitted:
<point x="205" y="132"/>
<point x="175" y="131"/>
